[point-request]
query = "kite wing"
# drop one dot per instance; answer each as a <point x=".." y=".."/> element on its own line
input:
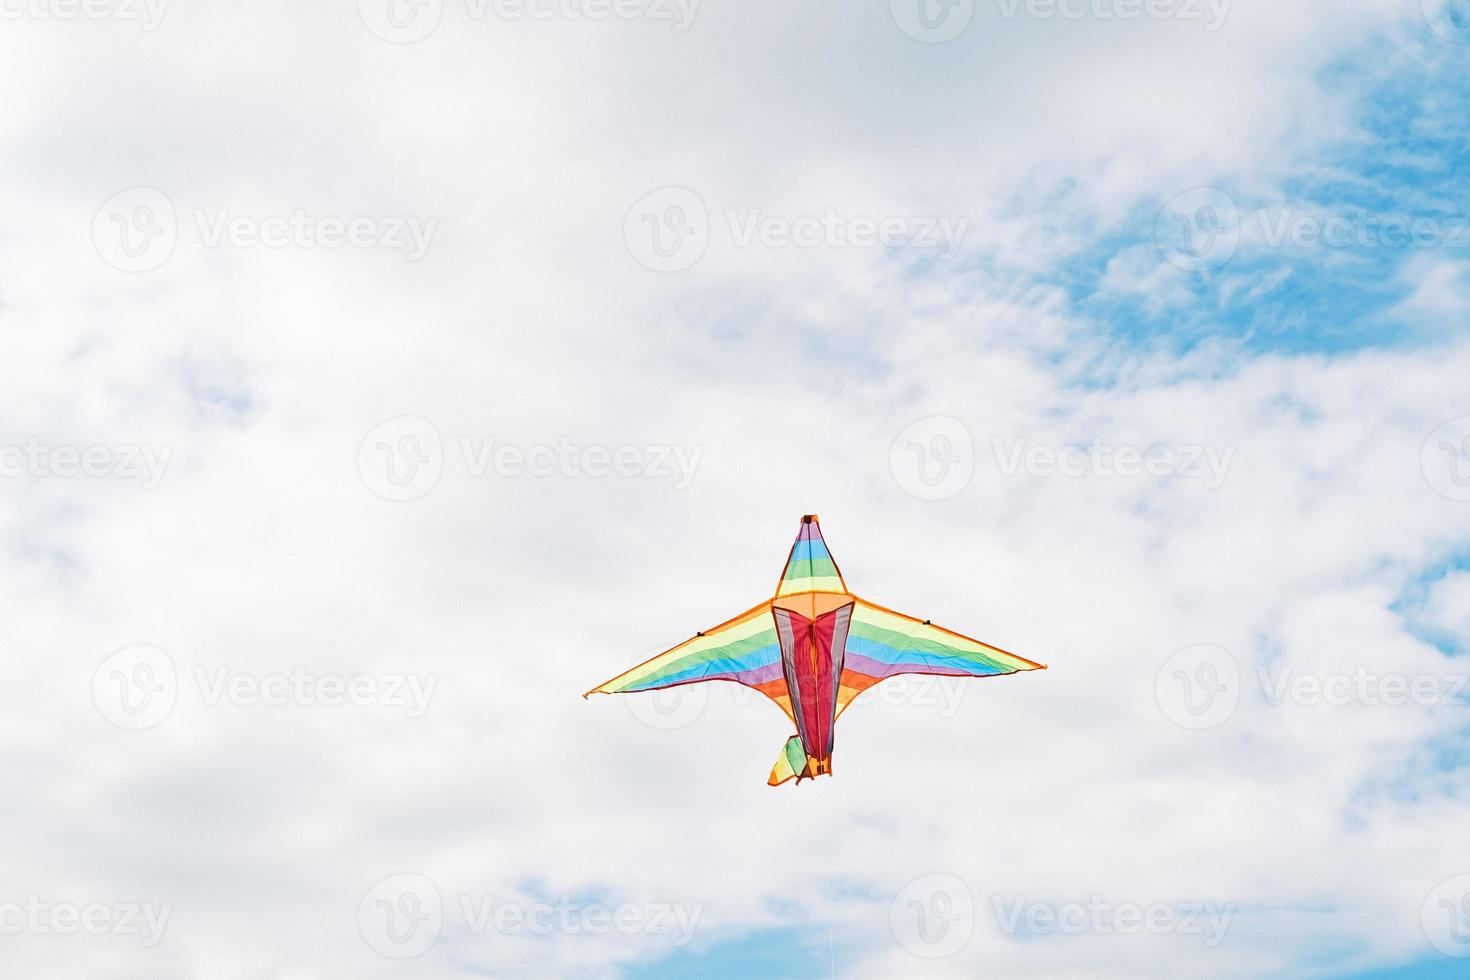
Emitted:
<point x="744" y="650"/>
<point x="882" y="643"/>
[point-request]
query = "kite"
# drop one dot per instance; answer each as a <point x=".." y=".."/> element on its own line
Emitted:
<point x="811" y="648"/>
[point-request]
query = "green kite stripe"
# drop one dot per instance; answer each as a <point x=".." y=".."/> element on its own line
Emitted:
<point x="931" y="641"/>
<point x="810" y="568"/>
<point x="737" y="653"/>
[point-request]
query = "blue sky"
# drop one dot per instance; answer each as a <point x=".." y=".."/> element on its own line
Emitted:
<point x="788" y="953"/>
<point x="1401" y="159"/>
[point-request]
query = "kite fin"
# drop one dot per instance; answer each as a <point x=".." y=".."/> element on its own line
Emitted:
<point x="794" y="763"/>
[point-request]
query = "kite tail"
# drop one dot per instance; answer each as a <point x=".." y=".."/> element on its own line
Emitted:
<point x="794" y="763"/>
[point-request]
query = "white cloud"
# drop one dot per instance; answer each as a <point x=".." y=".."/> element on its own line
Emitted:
<point x="793" y="370"/>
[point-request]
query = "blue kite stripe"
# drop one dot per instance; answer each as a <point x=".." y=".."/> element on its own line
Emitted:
<point x="883" y="653"/>
<point x="754" y="660"/>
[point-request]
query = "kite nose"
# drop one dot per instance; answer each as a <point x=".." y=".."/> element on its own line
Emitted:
<point x="808" y="518"/>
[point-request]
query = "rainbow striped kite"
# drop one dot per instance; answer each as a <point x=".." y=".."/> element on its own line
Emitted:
<point x="812" y="648"/>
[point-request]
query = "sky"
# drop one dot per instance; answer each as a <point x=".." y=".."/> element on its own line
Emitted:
<point x="381" y="375"/>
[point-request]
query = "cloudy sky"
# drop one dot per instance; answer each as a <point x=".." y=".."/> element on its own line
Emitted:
<point x="381" y="375"/>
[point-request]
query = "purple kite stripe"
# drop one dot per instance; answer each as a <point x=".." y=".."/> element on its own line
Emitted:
<point x="758" y="675"/>
<point x="860" y="664"/>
